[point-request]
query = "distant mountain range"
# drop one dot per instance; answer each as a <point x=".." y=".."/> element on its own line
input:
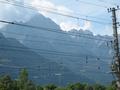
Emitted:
<point x="15" y="56"/>
<point x="84" y="56"/>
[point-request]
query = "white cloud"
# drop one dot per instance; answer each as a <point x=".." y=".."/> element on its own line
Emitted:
<point x="87" y="25"/>
<point x="67" y="26"/>
<point x="12" y="12"/>
<point x="64" y="10"/>
<point x="44" y="6"/>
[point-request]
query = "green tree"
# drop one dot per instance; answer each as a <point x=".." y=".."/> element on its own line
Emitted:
<point x="29" y="86"/>
<point x="39" y="87"/>
<point x="77" y="86"/>
<point x="112" y="86"/>
<point x="6" y="83"/>
<point x="23" y="79"/>
<point x="15" y="85"/>
<point x="60" y="88"/>
<point x="87" y="87"/>
<point x="50" y="87"/>
<point x="98" y="87"/>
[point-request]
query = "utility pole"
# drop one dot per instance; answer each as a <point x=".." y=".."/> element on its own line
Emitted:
<point x="116" y="63"/>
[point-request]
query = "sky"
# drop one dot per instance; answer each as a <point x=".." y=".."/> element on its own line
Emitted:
<point x="95" y="10"/>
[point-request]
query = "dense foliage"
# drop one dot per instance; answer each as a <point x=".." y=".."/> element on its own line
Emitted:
<point x="23" y="83"/>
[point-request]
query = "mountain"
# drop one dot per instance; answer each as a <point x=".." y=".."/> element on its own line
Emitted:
<point x="15" y="56"/>
<point x="79" y="51"/>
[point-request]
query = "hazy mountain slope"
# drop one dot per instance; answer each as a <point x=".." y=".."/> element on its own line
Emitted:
<point x="15" y="56"/>
<point x="70" y="48"/>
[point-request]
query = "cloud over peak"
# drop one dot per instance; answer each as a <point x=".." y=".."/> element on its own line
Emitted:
<point x="67" y="26"/>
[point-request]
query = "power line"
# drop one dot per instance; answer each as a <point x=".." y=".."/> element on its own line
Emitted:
<point x="63" y="11"/>
<point x="48" y="68"/>
<point x="108" y="2"/>
<point x="72" y="45"/>
<point x="59" y="41"/>
<point x="23" y="25"/>
<point x="48" y="29"/>
<point x="97" y="64"/>
<point x="93" y="4"/>
<point x="51" y="52"/>
<point x="58" y="13"/>
<point x="105" y="39"/>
